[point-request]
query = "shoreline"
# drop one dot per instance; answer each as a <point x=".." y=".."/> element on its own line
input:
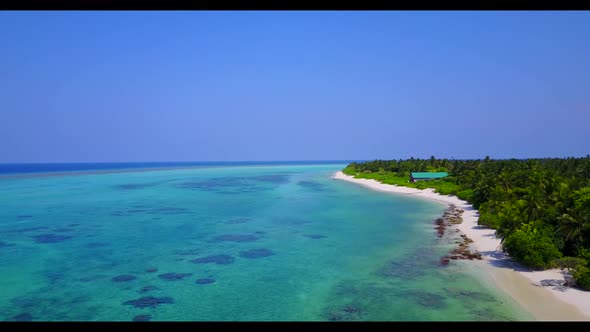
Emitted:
<point x="520" y="283"/>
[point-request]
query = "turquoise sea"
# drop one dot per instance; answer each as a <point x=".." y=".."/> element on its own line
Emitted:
<point x="228" y="243"/>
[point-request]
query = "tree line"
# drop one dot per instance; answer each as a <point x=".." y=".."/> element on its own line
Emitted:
<point x="540" y="208"/>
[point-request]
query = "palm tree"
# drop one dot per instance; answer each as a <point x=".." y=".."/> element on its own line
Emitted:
<point x="534" y="203"/>
<point x="561" y="196"/>
<point x="572" y="226"/>
<point x="511" y="217"/>
<point x="584" y="170"/>
<point x="505" y="181"/>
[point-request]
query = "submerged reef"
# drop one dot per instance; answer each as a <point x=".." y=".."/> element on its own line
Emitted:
<point x="237" y="221"/>
<point x="204" y="281"/>
<point x="150" y="210"/>
<point x="142" y="318"/>
<point x="50" y="238"/>
<point x="174" y="276"/>
<point x="427" y="299"/>
<point x="217" y="259"/>
<point x="312" y="185"/>
<point x="235" y="238"/>
<point x="123" y="278"/>
<point x="149" y="302"/>
<point x="22" y="317"/>
<point x="147" y="288"/>
<point x="315" y="236"/>
<point x="4" y="244"/>
<point x="256" y="253"/>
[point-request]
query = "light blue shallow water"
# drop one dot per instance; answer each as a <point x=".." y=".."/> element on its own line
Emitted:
<point x="266" y="243"/>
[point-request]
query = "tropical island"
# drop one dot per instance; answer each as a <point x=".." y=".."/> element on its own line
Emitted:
<point x="234" y="166"/>
<point x="538" y="208"/>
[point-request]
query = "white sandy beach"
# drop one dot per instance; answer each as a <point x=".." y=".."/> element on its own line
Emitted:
<point x="547" y="303"/>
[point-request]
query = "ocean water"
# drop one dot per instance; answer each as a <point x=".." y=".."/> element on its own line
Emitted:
<point x="228" y="243"/>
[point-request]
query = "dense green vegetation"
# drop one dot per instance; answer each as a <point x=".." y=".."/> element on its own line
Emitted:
<point x="540" y="208"/>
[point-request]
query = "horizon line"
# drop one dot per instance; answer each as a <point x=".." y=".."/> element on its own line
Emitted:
<point x="270" y="161"/>
<point x="176" y="161"/>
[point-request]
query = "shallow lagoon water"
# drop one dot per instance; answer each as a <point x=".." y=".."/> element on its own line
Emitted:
<point x="239" y="243"/>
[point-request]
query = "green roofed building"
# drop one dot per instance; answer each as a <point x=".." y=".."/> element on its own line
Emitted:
<point x="425" y="176"/>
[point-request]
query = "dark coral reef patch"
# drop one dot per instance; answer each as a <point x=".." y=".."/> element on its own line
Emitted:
<point x="142" y="318"/>
<point x="149" y="301"/>
<point x="216" y="259"/>
<point x="150" y="210"/>
<point x="131" y="186"/>
<point x="350" y="312"/>
<point x="124" y="278"/>
<point x="204" y="281"/>
<point x="427" y="299"/>
<point x="315" y="236"/>
<point x="273" y="178"/>
<point x="174" y="276"/>
<point x="4" y="244"/>
<point x="235" y="238"/>
<point x="237" y="221"/>
<point x="147" y="288"/>
<point x="23" y="317"/>
<point x="235" y="185"/>
<point x="62" y="230"/>
<point x="50" y="238"/>
<point x="311" y="185"/>
<point x="256" y="253"/>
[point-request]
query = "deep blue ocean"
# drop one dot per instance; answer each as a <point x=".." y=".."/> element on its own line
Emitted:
<point x="23" y="168"/>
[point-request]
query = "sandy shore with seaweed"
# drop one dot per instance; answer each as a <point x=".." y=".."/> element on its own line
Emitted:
<point x="552" y="302"/>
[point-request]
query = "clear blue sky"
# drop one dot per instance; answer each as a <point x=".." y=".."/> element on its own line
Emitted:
<point x="219" y="86"/>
